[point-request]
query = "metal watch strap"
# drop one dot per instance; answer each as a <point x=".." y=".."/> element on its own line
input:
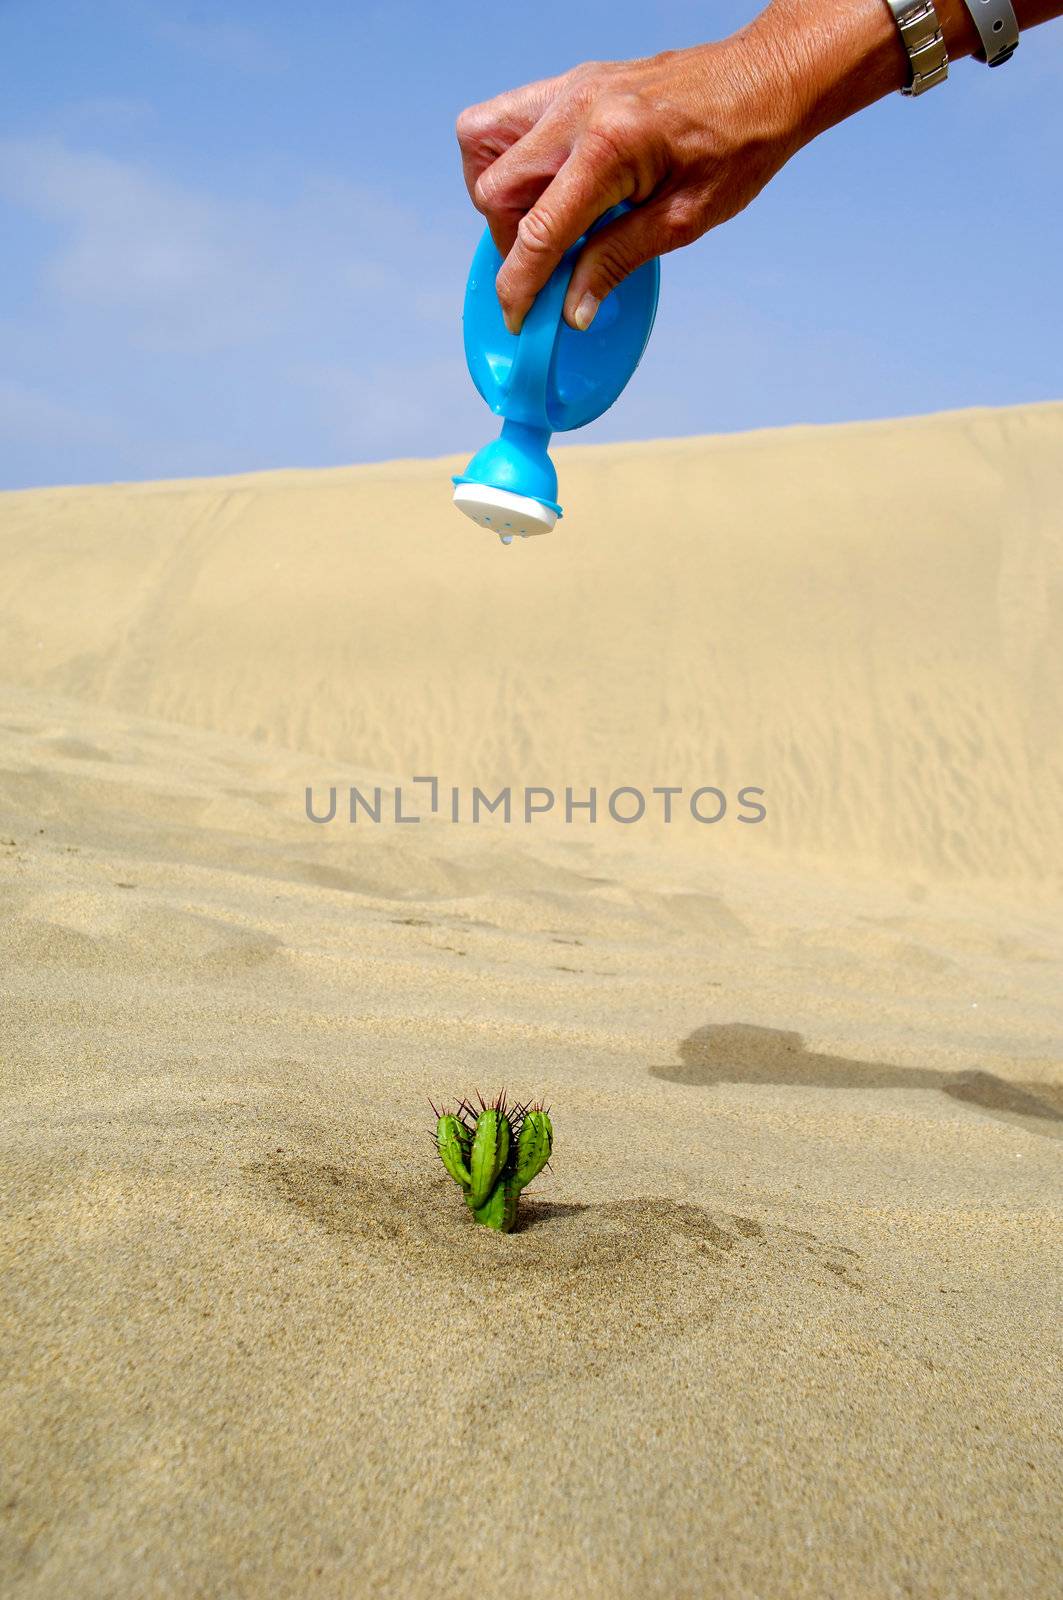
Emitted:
<point x="998" y="29"/>
<point x="921" y="32"/>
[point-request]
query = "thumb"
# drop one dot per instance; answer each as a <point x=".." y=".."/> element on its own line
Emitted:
<point x="611" y="255"/>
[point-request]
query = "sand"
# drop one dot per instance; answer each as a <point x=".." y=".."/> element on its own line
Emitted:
<point x="783" y="1317"/>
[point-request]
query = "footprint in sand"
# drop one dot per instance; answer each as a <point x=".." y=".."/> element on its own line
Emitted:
<point x="75" y="749"/>
<point x="132" y="938"/>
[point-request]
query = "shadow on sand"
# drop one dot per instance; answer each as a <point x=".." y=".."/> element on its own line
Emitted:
<point x="739" y="1052"/>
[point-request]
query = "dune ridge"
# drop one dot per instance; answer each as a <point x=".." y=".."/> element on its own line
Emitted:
<point x="863" y="620"/>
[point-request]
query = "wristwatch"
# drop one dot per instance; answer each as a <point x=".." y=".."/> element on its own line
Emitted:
<point x="998" y="29"/>
<point x="921" y="32"/>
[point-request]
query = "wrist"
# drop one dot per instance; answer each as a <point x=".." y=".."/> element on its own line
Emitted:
<point x="845" y="57"/>
<point x="842" y="58"/>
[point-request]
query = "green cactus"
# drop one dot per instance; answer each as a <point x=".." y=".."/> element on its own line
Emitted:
<point x="494" y="1153"/>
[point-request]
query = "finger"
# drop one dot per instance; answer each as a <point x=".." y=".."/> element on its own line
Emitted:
<point x="615" y="251"/>
<point x="486" y="130"/>
<point x="586" y="185"/>
<point x="511" y="186"/>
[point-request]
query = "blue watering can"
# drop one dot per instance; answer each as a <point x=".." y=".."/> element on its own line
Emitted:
<point x="547" y="379"/>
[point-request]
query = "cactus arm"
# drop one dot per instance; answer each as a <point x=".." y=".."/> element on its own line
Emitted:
<point x="454" y="1149"/>
<point x="490" y="1148"/>
<point x="533" y="1147"/>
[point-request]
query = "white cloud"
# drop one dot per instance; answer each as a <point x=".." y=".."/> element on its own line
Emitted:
<point x="323" y="323"/>
<point x="184" y="269"/>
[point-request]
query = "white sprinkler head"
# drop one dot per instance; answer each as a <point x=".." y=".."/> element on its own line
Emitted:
<point x="502" y="511"/>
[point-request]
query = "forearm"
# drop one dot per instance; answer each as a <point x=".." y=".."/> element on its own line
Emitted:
<point x="840" y="58"/>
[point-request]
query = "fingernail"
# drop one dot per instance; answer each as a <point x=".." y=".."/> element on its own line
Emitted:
<point x="586" y="312"/>
<point x="512" y="321"/>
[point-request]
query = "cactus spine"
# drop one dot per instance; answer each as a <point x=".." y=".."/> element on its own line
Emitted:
<point x="494" y="1152"/>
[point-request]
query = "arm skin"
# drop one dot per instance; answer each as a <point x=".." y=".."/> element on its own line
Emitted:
<point x="690" y="136"/>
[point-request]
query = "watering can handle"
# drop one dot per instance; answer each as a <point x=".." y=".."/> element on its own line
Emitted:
<point x="526" y="389"/>
<point x="527" y="385"/>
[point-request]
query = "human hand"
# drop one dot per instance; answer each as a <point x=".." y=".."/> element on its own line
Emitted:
<point x="688" y="136"/>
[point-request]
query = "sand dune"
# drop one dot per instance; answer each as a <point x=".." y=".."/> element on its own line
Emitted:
<point x="862" y="619"/>
<point x="783" y="1319"/>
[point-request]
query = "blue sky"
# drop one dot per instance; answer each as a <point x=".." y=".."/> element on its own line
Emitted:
<point x="236" y="237"/>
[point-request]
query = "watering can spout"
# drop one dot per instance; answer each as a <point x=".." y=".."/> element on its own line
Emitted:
<point x="510" y="486"/>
